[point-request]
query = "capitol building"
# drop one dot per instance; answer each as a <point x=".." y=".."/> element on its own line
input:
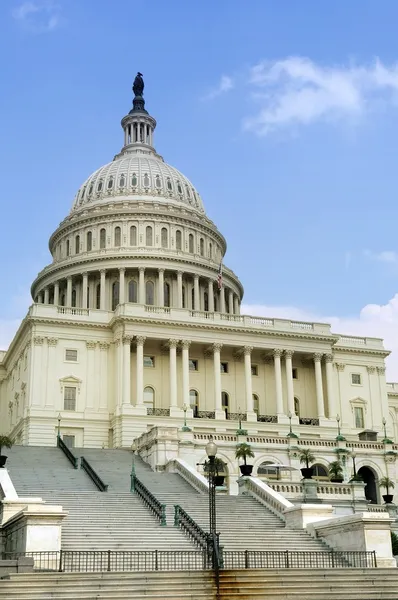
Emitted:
<point x="135" y="332"/>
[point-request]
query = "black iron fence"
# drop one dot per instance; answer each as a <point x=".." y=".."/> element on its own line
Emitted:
<point x="191" y="560"/>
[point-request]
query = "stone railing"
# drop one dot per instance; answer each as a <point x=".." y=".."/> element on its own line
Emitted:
<point x="264" y="494"/>
<point x="220" y="437"/>
<point x="191" y="475"/>
<point x="325" y="490"/>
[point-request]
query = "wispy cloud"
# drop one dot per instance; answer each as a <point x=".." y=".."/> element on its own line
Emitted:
<point x="38" y="16"/>
<point x="296" y="91"/>
<point x="386" y="256"/>
<point x="225" y="84"/>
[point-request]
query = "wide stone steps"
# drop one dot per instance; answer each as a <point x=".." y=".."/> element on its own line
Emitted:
<point x="109" y="586"/>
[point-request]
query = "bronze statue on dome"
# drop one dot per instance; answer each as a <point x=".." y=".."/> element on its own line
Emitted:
<point x="138" y="85"/>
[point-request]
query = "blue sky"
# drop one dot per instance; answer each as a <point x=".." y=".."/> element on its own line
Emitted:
<point x="283" y="114"/>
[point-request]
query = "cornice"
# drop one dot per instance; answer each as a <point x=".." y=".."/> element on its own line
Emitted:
<point x="360" y="350"/>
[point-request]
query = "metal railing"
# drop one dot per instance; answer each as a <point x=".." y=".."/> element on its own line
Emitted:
<point x="267" y="418"/>
<point x="190" y="527"/>
<point x="85" y="465"/>
<point x="68" y="452"/>
<point x="309" y="421"/>
<point x="154" y="505"/>
<point x="158" y="412"/>
<point x="289" y="559"/>
<point x="191" y="560"/>
<point x="205" y="414"/>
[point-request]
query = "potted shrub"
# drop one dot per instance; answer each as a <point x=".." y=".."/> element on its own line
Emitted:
<point x="336" y="472"/>
<point x="244" y="451"/>
<point x="219" y="467"/>
<point x="5" y="442"/>
<point x="388" y="484"/>
<point x="306" y="457"/>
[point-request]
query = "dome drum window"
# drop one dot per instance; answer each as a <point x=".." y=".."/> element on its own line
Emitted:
<point x="179" y="188"/>
<point x="122" y="181"/>
<point x="146" y="180"/>
<point x="110" y="184"/>
<point x="100" y="185"/>
<point x="169" y="185"/>
<point x="158" y="182"/>
<point x="134" y="180"/>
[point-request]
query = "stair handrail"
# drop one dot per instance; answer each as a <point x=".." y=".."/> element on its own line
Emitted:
<point x="95" y="478"/>
<point x="191" y="475"/>
<point x="158" y="509"/>
<point x="193" y="530"/>
<point x="68" y="452"/>
<point x="264" y="494"/>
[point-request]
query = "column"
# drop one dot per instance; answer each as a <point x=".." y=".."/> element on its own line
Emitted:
<point x="318" y="384"/>
<point x="179" y="289"/>
<point x="84" y="292"/>
<point x="247" y="350"/>
<point x="278" y="381"/>
<point x="289" y="381"/>
<point x="102" y="289"/>
<point x="126" y="390"/>
<point x="69" y="291"/>
<point x="185" y="372"/>
<point x="210" y="292"/>
<point x="329" y="386"/>
<point x="236" y="305"/>
<point x="196" y="291"/>
<point x="173" y="373"/>
<point x="222" y="301"/>
<point x="46" y="295"/>
<point x="231" y="302"/>
<point x="141" y="285"/>
<point x="56" y="293"/>
<point x="122" y="272"/>
<point x="140" y="340"/>
<point x="161" y="287"/>
<point x="219" y="413"/>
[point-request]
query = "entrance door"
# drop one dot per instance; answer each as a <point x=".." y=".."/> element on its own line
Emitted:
<point x="370" y="484"/>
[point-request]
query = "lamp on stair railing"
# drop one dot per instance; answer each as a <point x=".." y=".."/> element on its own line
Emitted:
<point x="211" y="451"/>
<point x="59" y="425"/>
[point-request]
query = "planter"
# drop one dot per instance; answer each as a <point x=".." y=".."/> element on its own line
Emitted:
<point x="3" y="460"/>
<point x="307" y="472"/>
<point x="388" y="498"/>
<point x="219" y="480"/>
<point x="246" y="469"/>
<point x="337" y="480"/>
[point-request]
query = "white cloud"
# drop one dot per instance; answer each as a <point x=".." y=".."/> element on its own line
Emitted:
<point x="374" y="320"/>
<point x="225" y="84"/>
<point x="386" y="256"/>
<point x="40" y="16"/>
<point x="297" y="91"/>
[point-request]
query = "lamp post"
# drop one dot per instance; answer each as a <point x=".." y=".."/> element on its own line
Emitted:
<point x="59" y="425"/>
<point x="384" y="427"/>
<point x="290" y="423"/>
<point x="132" y="475"/>
<point x="185" y="426"/>
<point x="353" y="456"/>
<point x="211" y="451"/>
<point x="338" y="425"/>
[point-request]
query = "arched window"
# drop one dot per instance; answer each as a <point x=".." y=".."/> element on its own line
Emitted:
<point x="190" y="243"/>
<point x="110" y="184"/>
<point x="225" y="402"/>
<point x="167" y="294"/>
<point x="169" y="185"/>
<point x="77" y="244"/>
<point x="149" y="397"/>
<point x="164" y="238"/>
<point x="215" y="300"/>
<point x="178" y="240"/>
<point x="118" y="236"/>
<point x="255" y="403"/>
<point x="146" y="180"/>
<point x="115" y="294"/>
<point x="194" y="402"/>
<point x="202" y="247"/>
<point x="98" y="296"/>
<point x="149" y="293"/>
<point x="210" y="250"/>
<point x="102" y="238"/>
<point x="74" y="298"/>
<point x="133" y="235"/>
<point x="100" y="184"/>
<point x="149" y="236"/>
<point x="89" y="241"/>
<point x="206" y="301"/>
<point x="122" y="181"/>
<point x="184" y="302"/>
<point x="193" y="299"/>
<point x="134" y="180"/>
<point x="63" y="299"/>
<point x="133" y="291"/>
<point x="67" y="247"/>
<point x="158" y="182"/>
<point x="319" y="472"/>
<point x="297" y="407"/>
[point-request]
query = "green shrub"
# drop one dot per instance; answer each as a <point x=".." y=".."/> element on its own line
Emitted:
<point x="394" y="543"/>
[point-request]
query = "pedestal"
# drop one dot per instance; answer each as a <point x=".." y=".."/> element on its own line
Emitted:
<point x="310" y="491"/>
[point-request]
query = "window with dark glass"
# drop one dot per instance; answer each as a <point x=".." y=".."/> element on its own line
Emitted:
<point x="190" y="243"/>
<point x="254" y="369"/>
<point x="98" y="296"/>
<point x="164" y="237"/>
<point x="102" y="238"/>
<point x="206" y="301"/>
<point x="100" y="184"/>
<point x="224" y="367"/>
<point x="118" y="236"/>
<point x="178" y="240"/>
<point x="150" y="293"/>
<point x="167" y="294"/>
<point x="133" y="291"/>
<point x="202" y="247"/>
<point x="149" y="361"/>
<point x="193" y="364"/>
<point x="89" y="241"/>
<point x="110" y="184"/>
<point x="134" y="180"/>
<point x="115" y="294"/>
<point x="74" y="298"/>
<point x="149" y="236"/>
<point x="133" y="235"/>
<point x="67" y="247"/>
<point x="77" y="244"/>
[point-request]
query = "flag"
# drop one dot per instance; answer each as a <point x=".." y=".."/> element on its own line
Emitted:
<point x="219" y="277"/>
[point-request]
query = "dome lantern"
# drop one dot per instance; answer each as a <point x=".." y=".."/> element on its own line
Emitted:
<point x="138" y="125"/>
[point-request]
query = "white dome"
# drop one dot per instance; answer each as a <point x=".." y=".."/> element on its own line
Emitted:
<point x="139" y="177"/>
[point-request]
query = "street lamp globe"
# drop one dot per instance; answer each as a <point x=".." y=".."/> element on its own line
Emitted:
<point x="211" y="449"/>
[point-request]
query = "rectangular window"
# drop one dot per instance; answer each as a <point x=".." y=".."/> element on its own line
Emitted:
<point x="70" y="355"/>
<point x="69" y="398"/>
<point x="149" y="361"/>
<point x="356" y="379"/>
<point x="193" y="365"/>
<point x="254" y="369"/>
<point x="224" y="367"/>
<point x="294" y="374"/>
<point x="69" y="440"/>
<point x="359" y="420"/>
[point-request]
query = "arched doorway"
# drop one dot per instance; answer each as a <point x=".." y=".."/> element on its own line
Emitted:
<point x="369" y="479"/>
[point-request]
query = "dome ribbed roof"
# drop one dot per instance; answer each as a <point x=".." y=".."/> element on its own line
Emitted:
<point x="137" y="177"/>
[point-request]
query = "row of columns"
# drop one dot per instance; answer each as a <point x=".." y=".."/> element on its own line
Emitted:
<point x="216" y="350"/>
<point x="231" y="302"/>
